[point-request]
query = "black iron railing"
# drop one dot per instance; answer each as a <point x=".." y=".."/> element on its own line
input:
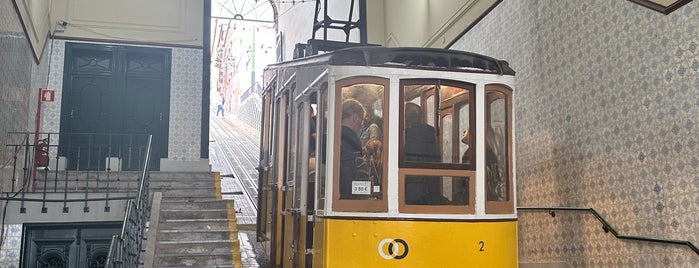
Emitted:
<point x="88" y="168"/>
<point x="608" y="228"/>
<point x="125" y="249"/>
<point x="81" y="163"/>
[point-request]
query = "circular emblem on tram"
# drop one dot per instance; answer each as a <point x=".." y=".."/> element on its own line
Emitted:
<point x="393" y="248"/>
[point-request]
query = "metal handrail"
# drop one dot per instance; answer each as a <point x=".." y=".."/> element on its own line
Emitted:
<point x="125" y="249"/>
<point x="34" y="161"/>
<point x="608" y="228"/>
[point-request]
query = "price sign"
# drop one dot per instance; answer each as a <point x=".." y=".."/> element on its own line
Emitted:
<point x="361" y="187"/>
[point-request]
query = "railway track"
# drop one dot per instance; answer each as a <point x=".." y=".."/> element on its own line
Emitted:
<point x="236" y="150"/>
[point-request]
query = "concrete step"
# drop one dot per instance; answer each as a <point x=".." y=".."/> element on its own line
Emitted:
<point x="193" y="225"/>
<point x="180" y="183"/>
<point x="176" y="176"/>
<point x="190" y="235"/>
<point x="206" y="213"/>
<point x="193" y="203"/>
<point x="194" y="260"/>
<point x="215" y="247"/>
<point x="194" y="253"/>
<point x="203" y="192"/>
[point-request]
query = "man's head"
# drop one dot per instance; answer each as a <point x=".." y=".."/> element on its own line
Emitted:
<point x="352" y="114"/>
<point x="413" y="114"/>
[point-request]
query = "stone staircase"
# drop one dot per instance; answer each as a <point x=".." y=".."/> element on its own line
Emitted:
<point x="194" y="227"/>
<point x="190" y="225"/>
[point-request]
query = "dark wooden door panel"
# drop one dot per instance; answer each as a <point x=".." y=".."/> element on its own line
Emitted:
<point x="114" y="89"/>
<point x="94" y="104"/>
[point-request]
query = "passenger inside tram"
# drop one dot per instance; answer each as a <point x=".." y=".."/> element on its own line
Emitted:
<point x="361" y="174"/>
<point x="466" y="157"/>
<point x="351" y="149"/>
<point x="421" y="146"/>
<point x="420" y="143"/>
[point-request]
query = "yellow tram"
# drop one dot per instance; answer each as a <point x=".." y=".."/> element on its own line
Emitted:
<point x="388" y="157"/>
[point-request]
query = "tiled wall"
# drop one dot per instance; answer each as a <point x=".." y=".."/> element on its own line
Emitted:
<point x="607" y="110"/>
<point x="20" y="80"/>
<point x="185" y="104"/>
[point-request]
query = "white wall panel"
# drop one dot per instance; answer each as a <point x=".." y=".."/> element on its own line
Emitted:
<point x="35" y="17"/>
<point x="176" y="22"/>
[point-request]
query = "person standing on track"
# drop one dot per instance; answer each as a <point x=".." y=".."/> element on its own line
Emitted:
<point x="220" y="108"/>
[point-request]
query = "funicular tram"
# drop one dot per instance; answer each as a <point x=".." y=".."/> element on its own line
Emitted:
<point x="388" y="157"/>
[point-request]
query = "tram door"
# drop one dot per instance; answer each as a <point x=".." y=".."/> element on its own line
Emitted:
<point x="265" y="203"/>
<point x="277" y="212"/>
<point x="291" y="212"/>
<point x="299" y="186"/>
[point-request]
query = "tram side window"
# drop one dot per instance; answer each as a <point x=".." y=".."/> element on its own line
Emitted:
<point x="362" y="142"/>
<point x="436" y="123"/>
<point x="497" y="170"/>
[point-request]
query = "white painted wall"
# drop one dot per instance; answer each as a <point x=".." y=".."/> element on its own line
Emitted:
<point x="175" y="22"/>
<point x="414" y="23"/>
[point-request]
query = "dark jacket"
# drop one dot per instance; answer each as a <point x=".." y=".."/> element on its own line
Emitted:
<point x="420" y="144"/>
<point x="350" y="157"/>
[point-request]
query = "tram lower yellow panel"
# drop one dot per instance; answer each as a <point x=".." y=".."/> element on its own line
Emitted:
<point x="375" y="243"/>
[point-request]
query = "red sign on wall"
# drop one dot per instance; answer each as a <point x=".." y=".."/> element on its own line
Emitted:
<point x="48" y="95"/>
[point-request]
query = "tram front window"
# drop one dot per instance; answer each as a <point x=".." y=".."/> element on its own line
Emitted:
<point x="362" y="141"/>
<point x="436" y="160"/>
<point x="436" y="117"/>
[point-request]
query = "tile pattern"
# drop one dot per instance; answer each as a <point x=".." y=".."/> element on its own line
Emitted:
<point x="16" y="81"/>
<point x="607" y="116"/>
<point x="10" y="252"/>
<point x="20" y="80"/>
<point x="185" y="104"/>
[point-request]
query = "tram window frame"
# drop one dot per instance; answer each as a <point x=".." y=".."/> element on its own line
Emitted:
<point x="321" y="138"/>
<point x="422" y="174"/>
<point x="450" y="208"/>
<point x="451" y="103"/>
<point x="373" y="204"/>
<point x="506" y="206"/>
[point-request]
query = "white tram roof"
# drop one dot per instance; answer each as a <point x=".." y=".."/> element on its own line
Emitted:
<point x="403" y="57"/>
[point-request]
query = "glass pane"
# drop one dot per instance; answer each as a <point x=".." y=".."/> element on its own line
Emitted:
<point x="419" y="138"/>
<point x="361" y="141"/>
<point x="430" y="110"/>
<point x="302" y="138"/>
<point x="436" y="190"/>
<point x="464" y="144"/>
<point x="497" y="174"/>
<point x="446" y="139"/>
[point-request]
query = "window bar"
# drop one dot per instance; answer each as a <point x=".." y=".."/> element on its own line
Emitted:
<point x="109" y="170"/>
<point x="14" y="166"/>
<point x="130" y="151"/>
<point x="25" y="175"/>
<point x="86" y="208"/>
<point x="65" y="183"/>
<point x="121" y="156"/>
<point x="99" y="168"/>
<point x="46" y="177"/>
<point x="55" y="170"/>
